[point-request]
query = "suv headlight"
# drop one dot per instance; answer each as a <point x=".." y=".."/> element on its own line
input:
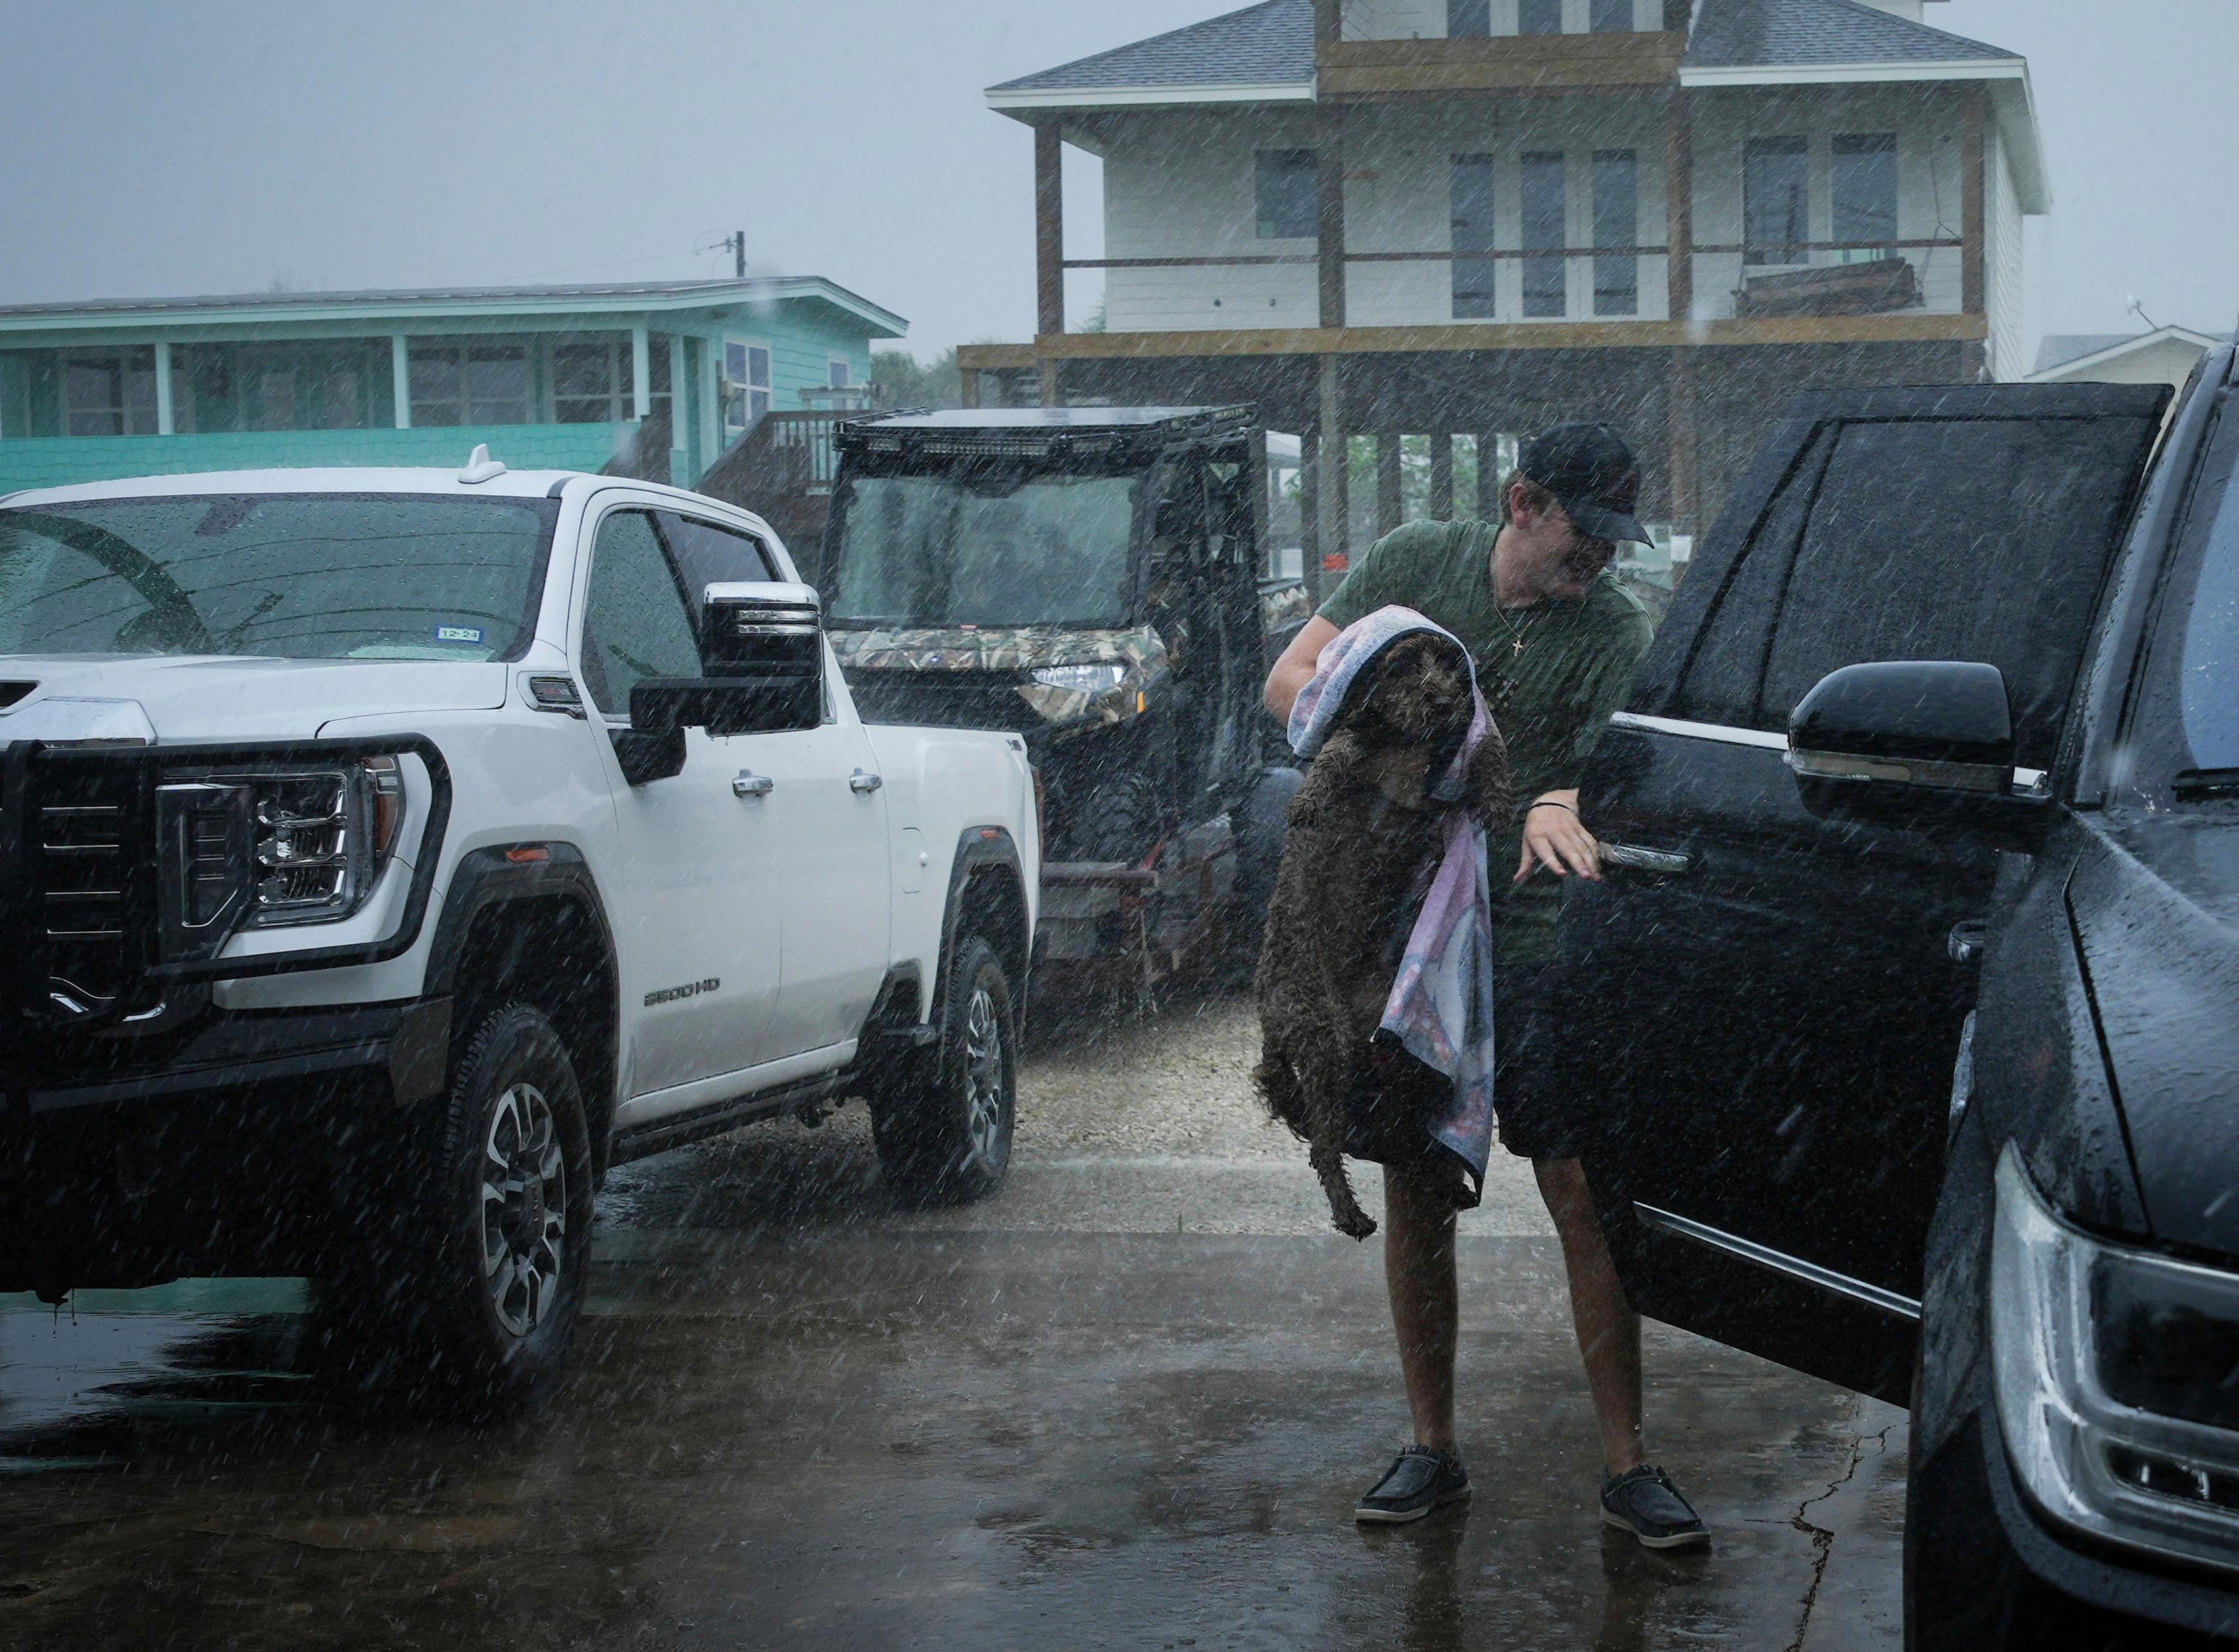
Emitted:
<point x="303" y="844"/>
<point x="2117" y="1376"/>
<point x="1082" y="680"/>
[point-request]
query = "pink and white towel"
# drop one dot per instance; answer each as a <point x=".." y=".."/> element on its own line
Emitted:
<point x="1441" y="1009"/>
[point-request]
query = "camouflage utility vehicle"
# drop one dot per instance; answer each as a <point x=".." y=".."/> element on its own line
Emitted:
<point x="1088" y="578"/>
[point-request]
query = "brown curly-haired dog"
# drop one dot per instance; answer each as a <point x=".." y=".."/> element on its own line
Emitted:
<point x="1363" y="837"/>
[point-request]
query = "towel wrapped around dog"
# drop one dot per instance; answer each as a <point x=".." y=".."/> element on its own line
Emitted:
<point x="1440" y="1009"/>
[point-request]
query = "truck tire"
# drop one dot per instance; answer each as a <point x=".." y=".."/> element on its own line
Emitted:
<point x="479" y="1277"/>
<point x="944" y="1134"/>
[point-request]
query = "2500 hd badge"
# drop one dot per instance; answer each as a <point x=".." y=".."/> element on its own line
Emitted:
<point x="689" y="989"/>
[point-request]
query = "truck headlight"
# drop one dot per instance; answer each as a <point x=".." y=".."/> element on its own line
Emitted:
<point x="1082" y="680"/>
<point x="2116" y="1376"/>
<point x="267" y="848"/>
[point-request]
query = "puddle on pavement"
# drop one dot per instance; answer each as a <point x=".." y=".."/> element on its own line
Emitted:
<point x="82" y="1383"/>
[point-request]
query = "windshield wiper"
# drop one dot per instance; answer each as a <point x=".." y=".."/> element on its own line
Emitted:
<point x="2206" y="782"/>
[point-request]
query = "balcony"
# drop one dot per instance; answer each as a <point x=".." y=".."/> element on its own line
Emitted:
<point x="1374" y="69"/>
<point x="1577" y="295"/>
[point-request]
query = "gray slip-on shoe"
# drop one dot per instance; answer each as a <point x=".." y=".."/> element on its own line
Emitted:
<point x="1644" y="1501"/>
<point x="1420" y="1480"/>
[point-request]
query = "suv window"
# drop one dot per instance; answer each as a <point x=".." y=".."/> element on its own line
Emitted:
<point x="1953" y="539"/>
<point x="707" y="555"/>
<point x="1719" y="684"/>
<point x="2208" y="691"/>
<point x="635" y="623"/>
<point x="2188" y="713"/>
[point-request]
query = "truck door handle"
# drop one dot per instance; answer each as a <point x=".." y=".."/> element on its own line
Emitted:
<point x="750" y="784"/>
<point x="864" y="780"/>
<point x="1668" y="863"/>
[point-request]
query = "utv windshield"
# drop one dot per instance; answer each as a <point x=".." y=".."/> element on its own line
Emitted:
<point x="312" y="576"/>
<point x="959" y="549"/>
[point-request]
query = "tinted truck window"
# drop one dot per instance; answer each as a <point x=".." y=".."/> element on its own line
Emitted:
<point x="1954" y="539"/>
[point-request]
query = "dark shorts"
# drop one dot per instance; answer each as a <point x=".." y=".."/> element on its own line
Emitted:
<point x="1537" y="1112"/>
<point x="1542" y="1113"/>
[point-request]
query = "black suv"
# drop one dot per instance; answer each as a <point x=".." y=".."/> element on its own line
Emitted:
<point x="1912" y="999"/>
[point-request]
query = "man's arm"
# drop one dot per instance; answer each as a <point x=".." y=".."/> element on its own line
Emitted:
<point x="1296" y="668"/>
<point x="1554" y="836"/>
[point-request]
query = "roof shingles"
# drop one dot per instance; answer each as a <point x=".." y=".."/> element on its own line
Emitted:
<point x="1739" y="34"/>
<point x="1270" y="44"/>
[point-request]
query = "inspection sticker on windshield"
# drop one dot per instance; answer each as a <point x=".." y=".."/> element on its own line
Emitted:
<point x="458" y="633"/>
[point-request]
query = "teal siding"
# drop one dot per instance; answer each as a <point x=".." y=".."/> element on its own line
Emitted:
<point x="55" y="462"/>
<point x="803" y="335"/>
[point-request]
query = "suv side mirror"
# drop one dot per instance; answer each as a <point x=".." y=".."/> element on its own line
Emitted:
<point x="761" y="663"/>
<point x="1912" y="742"/>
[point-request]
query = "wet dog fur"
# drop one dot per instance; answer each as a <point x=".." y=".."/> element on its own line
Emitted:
<point x="1363" y="835"/>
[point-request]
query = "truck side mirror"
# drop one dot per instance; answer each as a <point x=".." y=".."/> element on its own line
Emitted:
<point x="761" y="663"/>
<point x="1912" y="742"/>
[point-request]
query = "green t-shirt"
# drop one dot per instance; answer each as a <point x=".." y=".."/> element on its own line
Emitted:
<point x="1551" y="699"/>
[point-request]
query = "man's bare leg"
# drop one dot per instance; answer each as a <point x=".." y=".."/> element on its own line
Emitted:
<point x="1609" y="1330"/>
<point x="1419" y="1271"/>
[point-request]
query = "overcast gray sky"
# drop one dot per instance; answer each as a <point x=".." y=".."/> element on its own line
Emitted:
<point x="160" y="147"/>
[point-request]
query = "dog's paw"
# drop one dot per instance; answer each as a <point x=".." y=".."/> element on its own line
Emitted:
<point x="1355" y="1224"/>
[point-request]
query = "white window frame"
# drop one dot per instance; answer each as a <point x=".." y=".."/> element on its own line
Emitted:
<point x="845" y="367"/>
<point x="118" y="361"/>
<point x="750" y="390"/>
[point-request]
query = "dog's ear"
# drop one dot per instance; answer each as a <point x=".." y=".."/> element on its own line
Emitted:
<point x="1485" y="791"/>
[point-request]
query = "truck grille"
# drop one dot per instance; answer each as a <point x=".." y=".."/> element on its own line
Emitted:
<point x="82" y="872"/>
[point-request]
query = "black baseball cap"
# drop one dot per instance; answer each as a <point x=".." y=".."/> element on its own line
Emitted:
<point x="1592" y="475"/>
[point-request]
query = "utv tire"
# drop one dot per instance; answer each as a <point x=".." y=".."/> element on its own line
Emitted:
<point x="944" y="1136"/>
<point x="1266" y="816"/>
<point x="1117" y="820"/>
<point x="477" y="1284"/>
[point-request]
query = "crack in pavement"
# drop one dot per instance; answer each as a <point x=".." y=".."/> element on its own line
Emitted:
<point x="1823" y="1540"/>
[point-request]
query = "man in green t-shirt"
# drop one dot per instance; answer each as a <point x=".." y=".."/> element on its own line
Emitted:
<point x="1556" y="639"/>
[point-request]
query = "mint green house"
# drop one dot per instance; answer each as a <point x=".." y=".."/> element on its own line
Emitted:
<point x="550" y="377"/>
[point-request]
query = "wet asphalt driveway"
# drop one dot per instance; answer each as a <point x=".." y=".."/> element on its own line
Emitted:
<point x="1126" y="1403"/>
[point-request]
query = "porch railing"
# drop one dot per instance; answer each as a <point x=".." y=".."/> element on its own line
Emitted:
<point x="1787" y="282"/>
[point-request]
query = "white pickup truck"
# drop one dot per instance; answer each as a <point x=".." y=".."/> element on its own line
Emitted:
<point x="386" y="853"/>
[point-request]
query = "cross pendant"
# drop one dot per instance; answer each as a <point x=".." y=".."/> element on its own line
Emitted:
<point x="1518" y="648"/>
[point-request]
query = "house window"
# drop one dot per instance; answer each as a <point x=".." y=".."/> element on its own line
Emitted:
<point x="836" y="373"/>
<point x="470" y="384"/>
<point x="1616" y="223"/>
<point x="1539" y="17"/>
<point x="1543" y="200"/>
<point x="591" y="382"/>
<point x="276" y="399"/>
<point x="1470" y="184"/>
<point x="746" y="385"/>
<point x="1285" y="189"/>
<point x="325" y="384"/>
<point x="1469" y="19"/>
<point x="1863" y="185"/>
<point x="1776" y="200"/>
<point x="108" y="393"/>
<point x="1611" y="18"/>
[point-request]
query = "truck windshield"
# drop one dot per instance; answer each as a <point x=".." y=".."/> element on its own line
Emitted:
<point x="938" y="551"/>
<point x="306" y="576"/>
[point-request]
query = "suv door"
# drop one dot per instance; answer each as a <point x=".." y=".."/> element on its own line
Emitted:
<point x="699" y="866"/>
<point x="826" y="812"/>
<point x="1769" y="1005"/>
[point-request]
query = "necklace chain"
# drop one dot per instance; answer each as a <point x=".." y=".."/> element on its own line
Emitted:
<point x="1518" y="634"/>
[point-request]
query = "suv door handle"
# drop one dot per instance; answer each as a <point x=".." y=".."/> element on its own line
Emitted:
<point x="864" y="780"/>
<point x="1668" y="863"/>
<point x="750" y="784"/>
